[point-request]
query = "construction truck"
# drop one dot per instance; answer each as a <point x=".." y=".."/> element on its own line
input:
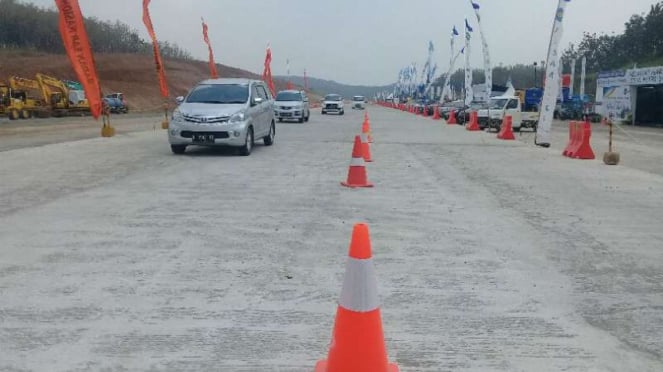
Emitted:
<point x="62" y="100"/>
<point x="11" y="103"/>
<point x="29" y="91"/>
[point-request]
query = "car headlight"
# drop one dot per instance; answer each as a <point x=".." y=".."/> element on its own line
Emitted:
<point x="237" y="118"/>
<point x="177" y="115"/>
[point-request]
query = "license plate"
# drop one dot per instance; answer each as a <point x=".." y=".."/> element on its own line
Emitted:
<point x="203" y="138"/>
<point x="286" y="114"/>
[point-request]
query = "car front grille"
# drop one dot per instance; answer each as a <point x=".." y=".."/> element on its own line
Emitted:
<point x="206" y="119"/>
<point x="332" y="106"/>
<point x="189" y="134"/>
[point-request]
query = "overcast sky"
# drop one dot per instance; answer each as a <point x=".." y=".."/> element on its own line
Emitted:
<point x="360" y="42"/>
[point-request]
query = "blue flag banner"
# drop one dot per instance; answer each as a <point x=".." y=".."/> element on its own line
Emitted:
<point x="487" y="68"/>
<point x="469" y="93"/>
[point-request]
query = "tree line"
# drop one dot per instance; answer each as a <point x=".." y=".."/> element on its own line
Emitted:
<point x="27" y="26"/>
<point x="641" y="45"/>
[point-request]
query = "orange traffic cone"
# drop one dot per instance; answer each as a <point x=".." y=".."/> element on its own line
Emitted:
<point x="506" y="130"/>
<point x="366" y="129"/>
<point x="357" y="343"/>
<point x="452" y="118"/>
<point x="357" y="173"/>
<point x="473" y="125"/>
<point x="436" y="113"/>
<point x="366" y="148"/>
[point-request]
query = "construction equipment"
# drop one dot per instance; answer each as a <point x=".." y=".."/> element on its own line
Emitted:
<point x="14" y="103"/>
<point x="26" y="89"/>
<point x="62" y="100"/>
<point x="9" y="106"/>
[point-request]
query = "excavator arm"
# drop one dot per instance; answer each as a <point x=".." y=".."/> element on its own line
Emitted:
<point x="19" y="83"/>
<point x="59" y="98"/>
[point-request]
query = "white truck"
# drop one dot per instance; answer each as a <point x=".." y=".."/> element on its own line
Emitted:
<point x="499" y="107"/>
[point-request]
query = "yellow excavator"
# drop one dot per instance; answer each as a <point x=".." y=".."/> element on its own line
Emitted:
<point x="25" y="89"/>
<point x="11" y="104"/>
<point x="62" y="100"/>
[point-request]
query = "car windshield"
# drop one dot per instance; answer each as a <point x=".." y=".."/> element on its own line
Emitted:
<point x="332" y="97"/>
<point x="219" y="93"/>
<point x="358" y="98"/>
<point x="498" y="104"/>
<point x="289" y="96"/>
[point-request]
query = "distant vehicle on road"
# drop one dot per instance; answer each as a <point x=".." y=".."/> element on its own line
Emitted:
<point x="292" y="105"/>
<point x="493" y="116"/>
<point x="463" y="114"/>
<point x="445" y="108"/>
<point x="116" y="106"/>
<point x="333" y="103"/>
<point x="358" y="102"/>
<point x="223" y="112"/>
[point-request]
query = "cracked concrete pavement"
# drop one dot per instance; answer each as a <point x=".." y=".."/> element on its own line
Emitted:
<point x="116" y="255"/>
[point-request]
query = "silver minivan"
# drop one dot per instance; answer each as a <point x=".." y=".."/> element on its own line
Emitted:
<point x="292" y="105"/>
<point x="223" y="112"/>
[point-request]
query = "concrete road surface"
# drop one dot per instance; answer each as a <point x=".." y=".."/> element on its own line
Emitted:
<point x="116" y="255"/>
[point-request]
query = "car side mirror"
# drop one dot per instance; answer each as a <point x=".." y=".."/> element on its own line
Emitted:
<point x="256" y="101"/>
<point x="179" y="99"/>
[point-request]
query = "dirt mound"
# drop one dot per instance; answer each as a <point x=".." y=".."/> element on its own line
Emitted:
<point x="132" y="74"/>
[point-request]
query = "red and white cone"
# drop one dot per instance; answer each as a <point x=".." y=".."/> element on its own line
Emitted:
<point x="358" y="339"/>
<point x="366" y="147"/>
<point x="357" y="176"/>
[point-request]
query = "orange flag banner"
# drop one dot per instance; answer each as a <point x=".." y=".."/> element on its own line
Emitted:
<point x="267" y="73"/>
<point x="212" y="64"/>
<point x="163" y="84"/>
<point x="77" y="45"/>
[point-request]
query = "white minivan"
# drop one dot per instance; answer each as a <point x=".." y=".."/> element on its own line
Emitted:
<point x="358" y="102"/>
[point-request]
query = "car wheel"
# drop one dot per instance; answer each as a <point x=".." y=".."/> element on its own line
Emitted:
<point x="248" y="143"/>
<point x="308" y="116"/>
<point x="14" y="114"/>
<point x="342" y="112"/>
<point x="324" y="112"/>
<point x="280" y="120"/>
<point x="516" y="129"/>
<point x="268" y="140"/>
<point x="178" y="149"/>
<point x="301" y="120"/>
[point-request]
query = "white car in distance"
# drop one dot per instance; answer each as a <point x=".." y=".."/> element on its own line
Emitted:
<point x="358" y="102"/>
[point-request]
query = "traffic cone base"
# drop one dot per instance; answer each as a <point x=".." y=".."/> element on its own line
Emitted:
<point x="321" y="366"/>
